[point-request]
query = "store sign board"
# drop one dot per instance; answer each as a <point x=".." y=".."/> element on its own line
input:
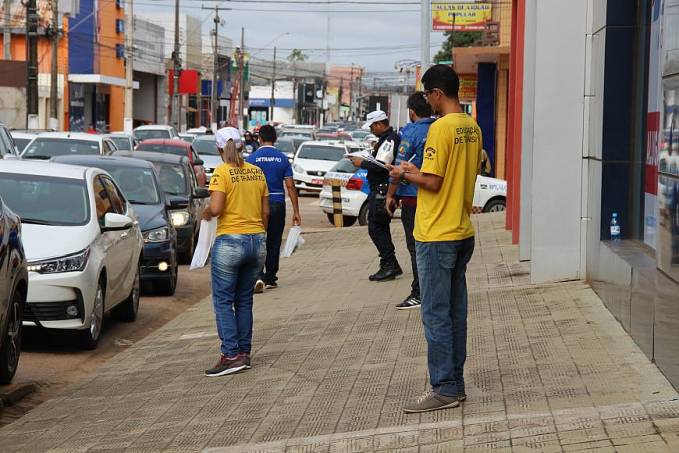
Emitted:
<point x="468" y="84"/>
<point x="460" y="16"/>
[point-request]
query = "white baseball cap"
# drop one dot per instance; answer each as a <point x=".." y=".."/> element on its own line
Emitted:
<point x="373" y="117"/>
<point x="225" y="134"/>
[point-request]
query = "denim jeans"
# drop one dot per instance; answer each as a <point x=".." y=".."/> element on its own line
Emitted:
<point x="236" y="262"/>
<point x="408" y="220"/>
<point x="378" y="227"/>
<point x="274" y="237"/>
<point x="442" y="267"/>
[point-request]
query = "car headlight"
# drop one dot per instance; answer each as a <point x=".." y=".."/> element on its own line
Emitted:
<point x="158" y="235"/>
<point x="179" y="218"/>
<point x="69" y="263"/>
<point x="298" y="168"/>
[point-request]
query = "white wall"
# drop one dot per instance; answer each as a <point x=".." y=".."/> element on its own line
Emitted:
<point x="558" y="139"/>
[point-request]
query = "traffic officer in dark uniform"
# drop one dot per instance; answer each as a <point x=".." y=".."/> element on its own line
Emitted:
<point x="385" y="151"/>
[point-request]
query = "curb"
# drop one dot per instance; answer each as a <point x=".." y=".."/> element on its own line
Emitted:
<point x="15" y="393"/>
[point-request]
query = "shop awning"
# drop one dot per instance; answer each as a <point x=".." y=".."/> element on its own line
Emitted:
<point x="282" y="103"/>
<point x="100" y="78"/>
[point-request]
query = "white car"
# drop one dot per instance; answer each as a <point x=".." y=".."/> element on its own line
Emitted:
<point x="314" y="159"/>
<point x="206" y="147"/>
<point x="51" y="144"/>
<point x="22" y="139"/>
<point x="490" y="194"/>
<point x="82" y="242"/>
<point x="123" y="140"/>
<point x="149" y="131"/>
<point x="188" y="138"/>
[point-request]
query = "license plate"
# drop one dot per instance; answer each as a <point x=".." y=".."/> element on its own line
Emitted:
<point x="317" y="181"/>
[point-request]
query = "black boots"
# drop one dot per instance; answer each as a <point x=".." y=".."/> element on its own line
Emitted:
<point x="388" y="271"/>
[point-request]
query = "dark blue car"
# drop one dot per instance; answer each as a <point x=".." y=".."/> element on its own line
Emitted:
<point x="13" y="290"/>
<point x="139" y="183"/>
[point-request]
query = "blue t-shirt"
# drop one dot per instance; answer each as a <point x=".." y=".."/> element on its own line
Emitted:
<point x="276" y="168"/>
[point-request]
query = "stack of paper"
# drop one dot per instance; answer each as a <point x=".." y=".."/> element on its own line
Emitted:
<point x="365" y="155"/>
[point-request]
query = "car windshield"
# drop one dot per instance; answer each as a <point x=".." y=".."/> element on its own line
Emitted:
<point x="46" y="200"/>
<point x="138" y="184"/>
<point x="147" y="134"/>
<point x="285" y="146"/>
<point x="206" y="146"/>
<point x="172" y="178"/>
<point x="327" y="138"/>
<point x="344" y="166"/>
<point x="21" y="143"/>
<point x="165" y="149"/>
<point x="46" y="148"/>
<point x="359" y="135"/>
<point x="122" y="143"/>
<point x="331" y="153"/>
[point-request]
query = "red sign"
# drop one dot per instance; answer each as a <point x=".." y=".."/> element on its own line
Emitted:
<point x="188" y="81"/>
<point x="651" y="167"/>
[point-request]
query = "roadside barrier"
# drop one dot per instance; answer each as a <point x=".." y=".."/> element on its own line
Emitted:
<point x="338" y="217"/>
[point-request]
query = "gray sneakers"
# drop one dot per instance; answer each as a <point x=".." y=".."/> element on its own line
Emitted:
<point x="432" y="401"/>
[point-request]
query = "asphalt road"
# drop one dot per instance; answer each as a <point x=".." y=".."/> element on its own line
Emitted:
<point x="52" y="360"/>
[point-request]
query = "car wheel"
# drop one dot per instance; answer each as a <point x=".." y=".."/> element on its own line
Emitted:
<point x="363" y="215"/>
<point x="11" y="344"/>
<point x="169" y="286"/>
<point x="89" y="338"/>
<point x="347" y="220"/>
<point x="127" y="310"/>
<point x="497" y="205"/>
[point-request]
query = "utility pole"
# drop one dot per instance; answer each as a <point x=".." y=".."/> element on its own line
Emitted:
<point x="351" y="94"/>
<point x="7" y="32"/>
<point x="129" y="67"/>
<point x="214" y="102"/>
<point x="340" y="93"/>
<point x="54" y="79"/>
<point x="425" y="23"/>
<point x="241" y="65"/>
<point x="32" y="59"/>
<point x="273" y="85"/>
<point x="177" y="101"/>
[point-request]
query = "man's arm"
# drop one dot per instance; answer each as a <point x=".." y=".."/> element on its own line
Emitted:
<point x="292" y="193"/>
<point x="391" y="199"/>
<point x="413" y="175"/>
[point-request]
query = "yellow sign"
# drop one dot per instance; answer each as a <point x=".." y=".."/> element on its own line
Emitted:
<point x="467" y="87"/>
<point x="460" y="16"/>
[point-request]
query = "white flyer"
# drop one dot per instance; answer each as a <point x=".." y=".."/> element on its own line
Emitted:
<point x="206" y="237"/>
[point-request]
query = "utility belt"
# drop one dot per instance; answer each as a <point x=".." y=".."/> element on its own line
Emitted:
<point x="380" y="190"/>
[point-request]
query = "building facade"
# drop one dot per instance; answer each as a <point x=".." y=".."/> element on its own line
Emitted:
<point x="592" y="131"/>
<point x="150" y="98"/>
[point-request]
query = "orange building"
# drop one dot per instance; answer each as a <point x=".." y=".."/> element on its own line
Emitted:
<point x="343" y="83"/>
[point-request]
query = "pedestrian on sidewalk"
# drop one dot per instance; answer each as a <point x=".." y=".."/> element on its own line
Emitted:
<point x="251" y="144"/>
<point x="444" y="235"/>
<point x="278" y="173"/>
<point x="413" y="137"/>
<point x="239" y="200"/>
<point x="379" y="219"/>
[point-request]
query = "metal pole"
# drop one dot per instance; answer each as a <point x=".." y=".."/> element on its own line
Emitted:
<point x="452" y="43"/>
<point x="215" y="68"/>
<point x="273" y="85"/>
<point x="177" y="105"/>
<point x="32" y="59"/>
<point x="129" y="67"/>
<point x="425" y="23"/>
<point x="54" y="100"/>
<point x="7" y="33"/>
<point x="241" y="96"/>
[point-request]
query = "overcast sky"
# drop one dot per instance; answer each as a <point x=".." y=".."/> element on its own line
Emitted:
<point x="373" y="38"/>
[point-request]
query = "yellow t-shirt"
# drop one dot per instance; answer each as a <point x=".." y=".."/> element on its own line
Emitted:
<point x="244" y="188"/>
<point x="452" y="151"/>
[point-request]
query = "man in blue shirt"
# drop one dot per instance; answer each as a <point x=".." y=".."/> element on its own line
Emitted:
<point x="278" y="173"/>
<point x="411" y="148"/>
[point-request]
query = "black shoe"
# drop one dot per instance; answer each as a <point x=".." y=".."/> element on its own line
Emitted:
<point x="270" y="285"/>
<point x="387" y="273"/>
<point x="226" y="365"/>
<point x="410" y="302"/>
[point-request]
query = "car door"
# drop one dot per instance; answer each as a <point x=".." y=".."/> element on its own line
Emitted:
<point x="198" y="169"/>
<point x="5" y="277"/>
<point x="125" y="248"/>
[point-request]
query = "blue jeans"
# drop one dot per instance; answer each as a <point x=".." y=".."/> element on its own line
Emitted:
<point x="442" y="267"/>
<point x="236" y="262"/>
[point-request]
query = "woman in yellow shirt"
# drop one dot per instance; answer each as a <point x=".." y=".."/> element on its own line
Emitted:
<point x="239" y="200"/>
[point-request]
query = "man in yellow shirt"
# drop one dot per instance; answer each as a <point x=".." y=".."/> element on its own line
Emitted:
<point x="444" y="235"/>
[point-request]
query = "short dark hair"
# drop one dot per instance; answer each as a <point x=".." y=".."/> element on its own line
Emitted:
<point x="418" y="104"/>
<point x="267" y="133"/>
<point x="444" y="78"/>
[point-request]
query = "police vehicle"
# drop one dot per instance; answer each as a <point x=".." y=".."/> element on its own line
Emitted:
<point x="490" y="194"/>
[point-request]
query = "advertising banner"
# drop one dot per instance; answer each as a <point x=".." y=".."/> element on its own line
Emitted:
<point x="460" y="16"/>
<point x="468" y="84"/>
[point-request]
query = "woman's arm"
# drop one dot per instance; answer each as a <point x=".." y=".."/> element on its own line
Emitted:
<point x="216" y="205"/>
<point x="265" y="211"/>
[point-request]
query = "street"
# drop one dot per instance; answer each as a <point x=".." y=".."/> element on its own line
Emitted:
<point x="52" y="361"/>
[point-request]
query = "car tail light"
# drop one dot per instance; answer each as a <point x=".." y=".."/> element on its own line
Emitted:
<point x="354" y="184"/>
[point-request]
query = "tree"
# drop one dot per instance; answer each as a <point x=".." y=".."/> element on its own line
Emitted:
<point x="297" y="55"/>
<point x="461" y="38"/>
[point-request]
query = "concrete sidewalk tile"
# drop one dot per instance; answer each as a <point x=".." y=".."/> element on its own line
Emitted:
<point x="596" y="445"/>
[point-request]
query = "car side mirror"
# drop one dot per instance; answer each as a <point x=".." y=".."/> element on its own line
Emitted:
<point x="198" y="162"/>
<point x="116" y="222"/>
<point x="201" y="192"/>
<point x="175" y="202"/>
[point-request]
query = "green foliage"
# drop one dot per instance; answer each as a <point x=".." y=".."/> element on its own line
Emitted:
<point x="297" y="55"/>
<point x="461" y="38"/>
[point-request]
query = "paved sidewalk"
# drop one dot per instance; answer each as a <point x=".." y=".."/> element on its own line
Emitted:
<point x="549" y="369"/>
